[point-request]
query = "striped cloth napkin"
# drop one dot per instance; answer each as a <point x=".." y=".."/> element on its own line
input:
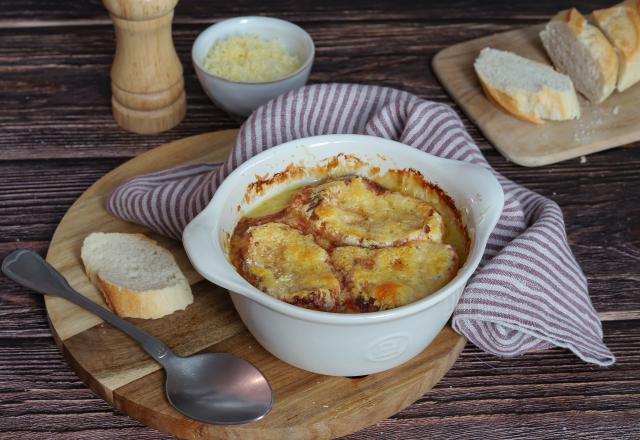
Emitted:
<point x="529" y="292"/>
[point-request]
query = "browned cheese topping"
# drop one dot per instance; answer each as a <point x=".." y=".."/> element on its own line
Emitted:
<point x="390" y="277"/>
<point x="290" y="266"/>
<point x="358" y="212"/>
<point x="346" y="245"/>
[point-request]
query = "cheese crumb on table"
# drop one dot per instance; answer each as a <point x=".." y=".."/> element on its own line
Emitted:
<point x="249" y="58"/>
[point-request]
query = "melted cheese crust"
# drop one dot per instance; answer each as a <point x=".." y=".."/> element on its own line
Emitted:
<point x="358" y="212"/>
<point x="379" y="279"/>
<point x="346" y="245"/>
<point x="290" y="266"/>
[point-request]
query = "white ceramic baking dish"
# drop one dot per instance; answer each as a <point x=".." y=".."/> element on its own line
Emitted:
<point x="335" y="343"/>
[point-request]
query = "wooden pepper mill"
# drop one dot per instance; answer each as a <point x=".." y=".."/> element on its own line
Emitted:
<point x="146" y="77"/>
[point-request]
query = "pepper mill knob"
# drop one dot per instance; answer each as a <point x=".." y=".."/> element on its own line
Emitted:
<point x="146" y="77"/>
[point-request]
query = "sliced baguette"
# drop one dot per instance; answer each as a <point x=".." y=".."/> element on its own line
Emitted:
<point x="581" y="50"/>
<point x="621" y="24"/>
<point x="528" y="90"/>
<point x="138" y="278"/>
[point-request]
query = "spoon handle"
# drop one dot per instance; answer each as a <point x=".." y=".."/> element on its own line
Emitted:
<point x="29" y="269"/>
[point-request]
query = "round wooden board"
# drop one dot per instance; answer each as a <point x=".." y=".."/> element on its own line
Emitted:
<point x="306" y="405"/>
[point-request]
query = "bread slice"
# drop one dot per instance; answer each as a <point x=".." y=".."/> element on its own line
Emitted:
<point x="621" y="24"/>
<point x="581" y="50"/>
<point x="138" y="278"/>
<point x="528" y="90"/>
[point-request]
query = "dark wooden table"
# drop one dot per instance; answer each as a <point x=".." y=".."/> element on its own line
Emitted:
<point x="57" y="137"/>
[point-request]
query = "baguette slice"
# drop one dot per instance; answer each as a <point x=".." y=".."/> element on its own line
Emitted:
<point x="621" y="24"/>
<point x="581" y="50"/>
<point x="528" y="90"/>
<point x="138" y="278"/>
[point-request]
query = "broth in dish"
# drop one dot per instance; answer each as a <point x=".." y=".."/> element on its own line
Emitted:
<point x="352" y="244"/>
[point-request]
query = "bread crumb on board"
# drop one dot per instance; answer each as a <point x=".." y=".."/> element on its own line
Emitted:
<point x="583" y="159"/>
<point x="590" y="122"/>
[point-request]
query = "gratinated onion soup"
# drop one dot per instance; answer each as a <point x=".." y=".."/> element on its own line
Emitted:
<point x="352" y="243"/>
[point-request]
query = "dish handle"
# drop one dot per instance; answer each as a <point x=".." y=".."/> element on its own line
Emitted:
<point x="488" y="198"/>
<point x="198" y="241"/>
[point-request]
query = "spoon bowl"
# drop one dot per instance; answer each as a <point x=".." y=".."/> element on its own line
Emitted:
<point x="217" y="388"/>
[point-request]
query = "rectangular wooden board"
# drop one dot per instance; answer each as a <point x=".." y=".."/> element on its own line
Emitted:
<point x="610" y="124"/>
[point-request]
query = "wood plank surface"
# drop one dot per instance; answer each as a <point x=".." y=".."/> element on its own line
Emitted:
<point x="544" y="395"/>
<point x="57" y="137"/>
<point x="27" y="12"/>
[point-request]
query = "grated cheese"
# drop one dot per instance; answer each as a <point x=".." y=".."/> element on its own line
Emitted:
<point x="249" y="58"/>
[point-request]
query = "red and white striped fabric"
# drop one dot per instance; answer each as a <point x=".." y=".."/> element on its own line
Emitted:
<point x="528" y="294"/>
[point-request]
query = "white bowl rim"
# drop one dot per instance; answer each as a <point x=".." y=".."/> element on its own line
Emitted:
<point x="302" y="68"/>
<point x="476" y="250"/>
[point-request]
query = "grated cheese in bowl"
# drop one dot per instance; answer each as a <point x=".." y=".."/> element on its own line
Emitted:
<point x="249" y="58"/>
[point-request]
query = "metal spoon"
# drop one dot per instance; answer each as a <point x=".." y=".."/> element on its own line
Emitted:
<point x="215" y="388"/>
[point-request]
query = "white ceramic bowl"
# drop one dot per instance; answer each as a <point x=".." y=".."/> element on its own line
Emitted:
<point x="335" y="343"/>
<point x="242" y="98"/>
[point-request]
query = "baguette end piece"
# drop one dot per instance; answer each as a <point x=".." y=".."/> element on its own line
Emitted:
<point x="581" y="50"/>
<point x="621" y="25"/>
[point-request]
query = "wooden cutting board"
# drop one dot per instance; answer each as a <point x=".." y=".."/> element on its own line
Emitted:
<point x="610" y="124"/>
<point x="306" y="405"/>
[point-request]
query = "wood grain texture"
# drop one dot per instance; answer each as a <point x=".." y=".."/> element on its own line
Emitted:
<point x="610" y="124"/>
<point x="212" y="319"/>
<point x="29" y="12"/>
<point x="548" y="395"/>
<point x="360" y="53"/>
<point x="146" y="76"/>
<point x="88" y="214"/>
<point x="57" y="137"/>
<point x="306" y="405"/>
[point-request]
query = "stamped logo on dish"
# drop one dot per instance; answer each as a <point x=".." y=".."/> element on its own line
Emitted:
<point x="387" y="347"/>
